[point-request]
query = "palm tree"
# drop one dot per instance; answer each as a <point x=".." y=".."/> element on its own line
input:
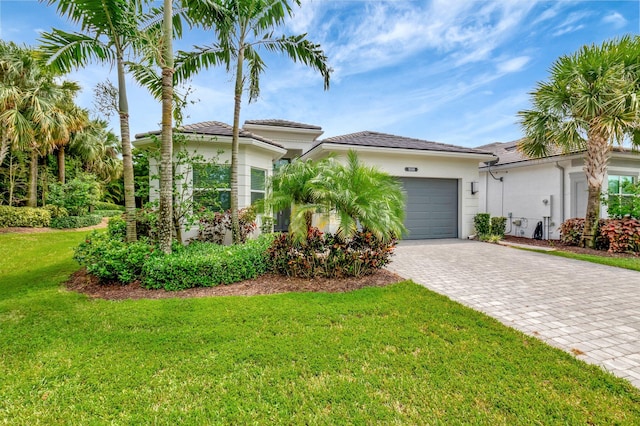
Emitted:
<point x="291" y="187"/>
<point x="589" y="103"/>
<point x="358" y="195"/>
<point x="242" y="27"/>
<point x="69" y="119"/>
<point x="109" y="32"/>
<point x="30" y="109"/>
<point x="99" y="150"/>
<point x="362" y="196"/>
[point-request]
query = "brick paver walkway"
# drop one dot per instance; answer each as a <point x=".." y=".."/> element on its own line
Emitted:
<point x="590" y="310"/>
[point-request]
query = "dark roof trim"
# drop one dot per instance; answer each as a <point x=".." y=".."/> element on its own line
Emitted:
<point x="283" y="123"/>
<point x="384" y="140"/>
<point x="212" y="128"/>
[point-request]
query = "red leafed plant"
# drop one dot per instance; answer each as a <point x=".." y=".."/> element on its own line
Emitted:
<point x="623" y="235"/>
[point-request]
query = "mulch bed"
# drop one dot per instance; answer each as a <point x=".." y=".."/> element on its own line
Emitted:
<point x="559" y="245"/>
<point x="266" y="284"/>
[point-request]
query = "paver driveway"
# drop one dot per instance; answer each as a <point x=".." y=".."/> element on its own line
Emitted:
<point x="590" y="310"/>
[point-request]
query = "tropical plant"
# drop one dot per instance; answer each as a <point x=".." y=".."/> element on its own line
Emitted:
<point x="292" y="187"/>
<point x="358" y="195"/>
<point x="36" y="112"/>
<point x="241" y="29"/>
<point x="361" y="196"/>
<point x="109" y="31"/>
<point x="589" y="103"/>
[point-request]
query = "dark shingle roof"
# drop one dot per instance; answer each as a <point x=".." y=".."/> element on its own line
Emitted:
<point x="213" y="128"/>
<point x="508" y="152"/>
<point x="383" y="140"/>
<point x="283" y="123"/>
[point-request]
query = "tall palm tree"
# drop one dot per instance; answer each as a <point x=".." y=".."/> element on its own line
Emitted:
<point x="362" y="196"/>
<point x="30" y="112"/>
<point x="241" y="28"/>
<point x="109" y="31"/>
<point x="69" y="119"/>
<point x="589" y="103"/>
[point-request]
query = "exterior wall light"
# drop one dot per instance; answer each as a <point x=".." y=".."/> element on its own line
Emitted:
<point x="474" y="187"/>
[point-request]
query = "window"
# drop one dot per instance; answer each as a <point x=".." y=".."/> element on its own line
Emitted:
<point x="211" y="184"/>
<point x="258" y="179"/>
<point x="620" y="192"/>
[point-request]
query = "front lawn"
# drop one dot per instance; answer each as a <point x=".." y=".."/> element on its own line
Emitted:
<point x="399" y="354"/>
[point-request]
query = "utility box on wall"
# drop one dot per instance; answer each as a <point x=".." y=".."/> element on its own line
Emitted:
<point x="546" y="206"/>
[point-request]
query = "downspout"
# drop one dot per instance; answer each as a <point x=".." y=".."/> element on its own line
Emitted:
<point x="559" y="167"/>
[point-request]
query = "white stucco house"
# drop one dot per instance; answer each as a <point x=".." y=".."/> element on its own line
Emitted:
<point x="548" y="190"/>
<point x="440" y="180"/>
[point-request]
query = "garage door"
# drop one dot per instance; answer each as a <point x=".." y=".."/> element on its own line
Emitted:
<point x="432" y="208"/>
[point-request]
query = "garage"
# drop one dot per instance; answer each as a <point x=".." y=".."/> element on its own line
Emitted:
<point x="432" y="208"/>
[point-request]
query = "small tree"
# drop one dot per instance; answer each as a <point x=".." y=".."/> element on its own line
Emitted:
<point x="77" y="196"/>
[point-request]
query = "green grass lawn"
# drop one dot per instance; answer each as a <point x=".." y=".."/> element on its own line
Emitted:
<point x="632" y="263"/>
<point x="394" y="355"/>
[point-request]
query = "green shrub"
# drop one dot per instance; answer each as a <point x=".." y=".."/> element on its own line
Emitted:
<point x="482" y="223"/>
<point x="207" y="265"/>
<point x="107" y="213"/>
<point x="146" y="225"/>
<point x="571" y="233"/>
<point x="111" y="260"/>
<point x="56" y="211"/>
<point x="623" y="235"/>
<point x="77" y="195"/>
<point x="498" y="226"/>
<point x="101" y="205"/>
<point x="24" y="217"/>
<point x="69" y="222"/>
<point x="323" y="255"/>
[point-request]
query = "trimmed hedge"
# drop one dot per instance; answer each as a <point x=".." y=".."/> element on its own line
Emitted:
<point x="101" y="205"/>
<point x="207" y="265"/>
<point x="482" y="224"/>
<point x="24" y="217"/>
<point x="56" y="211"/>
<point x="107" y="213"/>
<point x="69" y="222"/>
<point x="498" y="226"/>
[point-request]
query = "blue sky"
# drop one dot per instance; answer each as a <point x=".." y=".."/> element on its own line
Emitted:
<point x="452" y="71"/>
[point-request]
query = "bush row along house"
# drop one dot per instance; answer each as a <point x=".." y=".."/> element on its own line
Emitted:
<point x="444" y="184"/>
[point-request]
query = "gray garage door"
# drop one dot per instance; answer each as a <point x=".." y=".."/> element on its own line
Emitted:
<point x="432" y="208"/>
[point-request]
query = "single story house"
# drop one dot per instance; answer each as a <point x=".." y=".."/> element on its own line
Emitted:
<point x="440" y="180"/>
<point x="547" y="190"/>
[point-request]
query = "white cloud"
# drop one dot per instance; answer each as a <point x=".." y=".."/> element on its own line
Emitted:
<point x="513" y="65"/>
<point x="571" y="23"/>
<point x="615" y="19"/>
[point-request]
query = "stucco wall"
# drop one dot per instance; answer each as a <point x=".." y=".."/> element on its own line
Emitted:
<point x="433" y="166"/>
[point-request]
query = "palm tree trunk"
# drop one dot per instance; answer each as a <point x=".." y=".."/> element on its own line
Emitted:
<point x="4" y="146"/>
<point x="61" y="165"/>
<point x="595" y="168"/>
<point x="165" y="222"/>
<point x="32" y="190"/>
<point x="235" y="223"/>
<point x="127" y="158"/>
